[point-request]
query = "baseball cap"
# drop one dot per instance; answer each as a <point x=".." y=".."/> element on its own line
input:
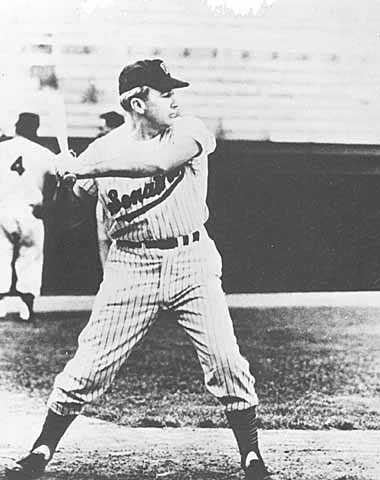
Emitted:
<point x="28" y="119"/>
<point x="112" y="119"/>
<point x="148" y="73"/>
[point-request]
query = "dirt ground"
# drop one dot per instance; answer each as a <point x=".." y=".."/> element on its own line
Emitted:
<point x="98" y="450"/>
<point x="317" y="375"/>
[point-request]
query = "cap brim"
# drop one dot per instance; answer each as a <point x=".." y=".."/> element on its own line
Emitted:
<point x="172" y="83"/>
<point x="179" y="83"/>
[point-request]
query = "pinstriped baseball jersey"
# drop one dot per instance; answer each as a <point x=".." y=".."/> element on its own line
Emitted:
<point x="142" y="278"/>
<point x="157" y="207"/>
<point x="161" y="259"/>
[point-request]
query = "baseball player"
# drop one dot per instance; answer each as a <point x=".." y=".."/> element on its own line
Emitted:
<point x="161" y="258"/>
<point x="27" y="183"/>
<point x="111" y="120"/>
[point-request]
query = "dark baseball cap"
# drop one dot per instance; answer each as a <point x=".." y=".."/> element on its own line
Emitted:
<point x="28" y="119"/>
<point x="112" y="119"/>
<point x="148" y="73"/>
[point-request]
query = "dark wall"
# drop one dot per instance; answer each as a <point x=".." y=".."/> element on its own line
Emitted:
<point x="285" y="217"/>
<point x="72" y="264"/>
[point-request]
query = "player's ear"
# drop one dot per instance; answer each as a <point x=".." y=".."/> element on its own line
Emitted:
<point x="137" y="105"/>
<point x="132" y="103"/>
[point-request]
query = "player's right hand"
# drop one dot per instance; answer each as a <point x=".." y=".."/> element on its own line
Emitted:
<point x="68" y="179"/>
<point x="64" y="166"/>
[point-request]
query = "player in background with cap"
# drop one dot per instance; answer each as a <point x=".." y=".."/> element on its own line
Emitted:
<point x="161" y="258"/>
<point x="27" y="185"/>
<point x="111" y="120"/>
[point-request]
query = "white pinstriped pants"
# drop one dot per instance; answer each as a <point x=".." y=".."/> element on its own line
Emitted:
<point x="137" y="283"/>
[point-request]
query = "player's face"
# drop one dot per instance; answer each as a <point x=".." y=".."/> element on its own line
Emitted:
<point x="161" y="108"/>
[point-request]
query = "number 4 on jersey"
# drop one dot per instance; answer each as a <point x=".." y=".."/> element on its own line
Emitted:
<point x="17" y="166"/>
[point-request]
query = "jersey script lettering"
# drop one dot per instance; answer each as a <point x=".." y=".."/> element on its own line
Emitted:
<point x="160" y="187"/>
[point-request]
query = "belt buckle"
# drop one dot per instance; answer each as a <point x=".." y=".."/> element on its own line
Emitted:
<point x="180" y="241"/>
<point x="185" y="240"/>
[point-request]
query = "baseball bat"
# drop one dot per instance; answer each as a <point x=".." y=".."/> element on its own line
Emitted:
<point x="60" y="124"/>
<point x="59" y="108"/>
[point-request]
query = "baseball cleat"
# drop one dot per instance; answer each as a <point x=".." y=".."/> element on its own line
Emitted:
<point x="30" y="467"/>
<point x="24" y="313"/>
<point x="255" y="468"/>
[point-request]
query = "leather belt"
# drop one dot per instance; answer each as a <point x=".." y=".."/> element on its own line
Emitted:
<point x="163" y="244"/>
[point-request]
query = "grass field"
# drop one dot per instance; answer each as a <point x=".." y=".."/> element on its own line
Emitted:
<point x="316" y="368"/>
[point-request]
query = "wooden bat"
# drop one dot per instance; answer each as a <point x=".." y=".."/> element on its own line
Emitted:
<point x="58" y="113"/>
<point x="61" y="124"/>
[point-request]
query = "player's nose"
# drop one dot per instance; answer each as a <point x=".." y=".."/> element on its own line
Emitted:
<point x="173" y="103"/>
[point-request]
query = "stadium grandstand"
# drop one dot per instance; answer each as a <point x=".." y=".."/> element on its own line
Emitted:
<point x="292" y="93"/>
<point x="311" y="76"/>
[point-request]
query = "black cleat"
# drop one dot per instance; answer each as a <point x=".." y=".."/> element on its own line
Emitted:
<point x="30" y="467"/>
<point x="256" y="470"/>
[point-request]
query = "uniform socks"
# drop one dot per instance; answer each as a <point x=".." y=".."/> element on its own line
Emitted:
<point x="244" y="425"/>
<point x="53" y="430"/>
<point x="242" y="422"/>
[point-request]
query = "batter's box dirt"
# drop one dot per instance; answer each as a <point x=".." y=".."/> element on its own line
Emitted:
<point x="98" y="450"/>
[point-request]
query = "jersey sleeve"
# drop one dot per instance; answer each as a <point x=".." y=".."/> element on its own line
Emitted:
<point x="196" y="129"/>
<point x="89" y="185"/>
<point x="94" y="153"/>
<point x="90" y="154"/>
<point x="48" y="160"/>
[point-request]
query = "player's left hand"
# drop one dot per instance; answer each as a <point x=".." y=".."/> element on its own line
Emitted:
<point x="68" y="179"/>
<point x="63" y="170"/>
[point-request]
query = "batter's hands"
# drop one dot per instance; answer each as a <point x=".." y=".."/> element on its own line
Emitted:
<point x="64" y="169"/>
<point x="69" y="179"/>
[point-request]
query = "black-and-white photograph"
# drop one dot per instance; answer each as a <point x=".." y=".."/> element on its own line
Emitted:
<point x="190" y="239"/>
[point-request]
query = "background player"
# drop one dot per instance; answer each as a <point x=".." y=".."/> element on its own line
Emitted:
<point x="161" y="258"/>
<point x="27" y="185"/>
<point x="111" y="120"/>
